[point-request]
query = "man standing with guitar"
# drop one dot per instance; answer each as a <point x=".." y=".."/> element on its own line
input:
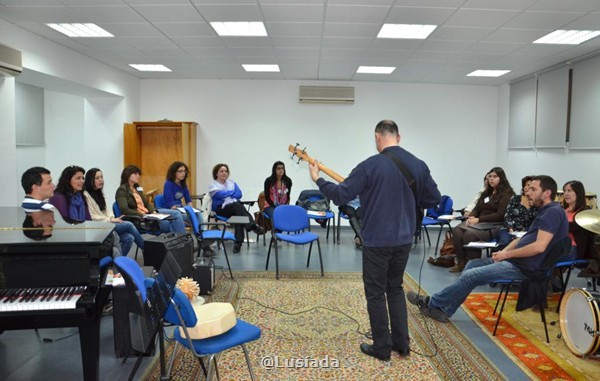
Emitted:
<point x="392" y="186"/>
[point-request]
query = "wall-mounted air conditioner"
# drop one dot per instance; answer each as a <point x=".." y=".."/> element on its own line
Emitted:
<point x="326" y="94"/>
<point x="10" y="62"/>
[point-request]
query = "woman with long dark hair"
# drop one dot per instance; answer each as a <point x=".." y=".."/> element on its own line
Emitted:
<point x="132" y="201"/>
<point x="100" y="211"/>
<point x="277" y="188"/>
<point x="574" y="202"/>
<point x="68" y="195"/>
<point x="175" y="189"/>
<point x="490" y="208"/>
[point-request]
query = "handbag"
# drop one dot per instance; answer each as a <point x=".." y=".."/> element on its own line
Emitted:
<point x="448" y="246"/>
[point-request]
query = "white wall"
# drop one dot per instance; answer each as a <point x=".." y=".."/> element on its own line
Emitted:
<point x="562" y="164"/>
<point x="249" y="125"/>
<point x="87" y="103"/>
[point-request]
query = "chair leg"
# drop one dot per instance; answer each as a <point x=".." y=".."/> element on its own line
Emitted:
<point x="543" y="315"/>
<point x="563" y="286"/>
<point x="437" y="244"/>
<point x="309" y="251"/>
<point x="338" y="228"/>
<point x="248" y="362"/>
<point x="269" y="253"/>
<point x="276" y="261"/>
<point x="172" y="358"/>
<point x="227" y="259"/>
<point x="502" y="307"/>
<point x="210" y="367"/>
<point x="320" y="257"/>
<point x="137" y="248"/>
<point x="427" y="234"/>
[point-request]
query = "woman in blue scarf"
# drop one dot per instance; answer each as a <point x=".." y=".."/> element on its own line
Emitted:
<point x="68" y="196"/>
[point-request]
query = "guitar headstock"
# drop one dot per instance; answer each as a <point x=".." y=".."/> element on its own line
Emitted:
<point x="300" y="153"/>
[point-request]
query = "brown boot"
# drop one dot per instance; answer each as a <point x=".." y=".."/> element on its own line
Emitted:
<point x="459" y="266"/>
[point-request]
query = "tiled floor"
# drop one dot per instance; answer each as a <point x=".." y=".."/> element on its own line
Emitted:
<point x="25" y="356"/>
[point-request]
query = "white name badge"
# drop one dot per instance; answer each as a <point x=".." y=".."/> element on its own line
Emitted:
<point x="486" y="200"/>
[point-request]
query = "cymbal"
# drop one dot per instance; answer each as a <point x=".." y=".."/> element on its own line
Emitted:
<point x="589" y="220"/>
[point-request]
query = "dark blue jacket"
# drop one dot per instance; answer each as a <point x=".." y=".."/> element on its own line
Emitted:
<point x="387" y="202"/>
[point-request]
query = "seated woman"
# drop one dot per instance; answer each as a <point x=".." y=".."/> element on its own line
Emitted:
<point x="132" y="202"/>
<point x="491" y="207"/>
<point x="519" y="214"/>
<point x="175" y="189"/>
<point x="574" y="202"/>
<point x="99" y="211"/>
<point x="68" y="196"/>
<point x="278" y="188"/>
<point x="226" y="197"/>
<point x="352" y="210"/>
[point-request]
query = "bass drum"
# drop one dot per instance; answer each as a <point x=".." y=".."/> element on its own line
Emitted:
<point x="580" y="321"/>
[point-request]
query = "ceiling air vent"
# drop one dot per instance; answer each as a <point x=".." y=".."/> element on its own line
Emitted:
<point x="326" y="94"/>
<point x="10" y="62"/>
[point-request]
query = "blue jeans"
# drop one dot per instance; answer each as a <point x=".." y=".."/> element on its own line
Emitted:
<point x="128" y="233"/>
<point x="174" y="223"/>
<point x="477" y="273"/>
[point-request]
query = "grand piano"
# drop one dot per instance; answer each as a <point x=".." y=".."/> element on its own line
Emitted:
<point x="50" y="276"/>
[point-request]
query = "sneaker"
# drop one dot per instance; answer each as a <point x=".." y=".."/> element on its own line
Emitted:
<point x="435" y="313"/>
<point x="417" y="300"/>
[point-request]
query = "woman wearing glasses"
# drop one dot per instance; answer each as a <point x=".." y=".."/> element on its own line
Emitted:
<point x="175" y="191"/>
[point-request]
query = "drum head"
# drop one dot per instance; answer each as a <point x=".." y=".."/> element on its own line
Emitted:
<point x="579" y="321"/>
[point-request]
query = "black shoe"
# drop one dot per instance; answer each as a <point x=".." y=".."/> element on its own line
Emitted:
<point x="402" y="352"/>
<point x="368" y="350"/>
<point x="323" y="223"/>
<point x="259" y="230"/>
<point x="237" y="247"/>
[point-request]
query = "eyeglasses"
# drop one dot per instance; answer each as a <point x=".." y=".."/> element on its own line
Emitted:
<point x="182" y="171"/>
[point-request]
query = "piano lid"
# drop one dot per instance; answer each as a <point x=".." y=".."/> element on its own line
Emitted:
<point x="48" y="228"/>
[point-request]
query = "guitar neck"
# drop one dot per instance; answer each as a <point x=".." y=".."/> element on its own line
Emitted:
<point x="329" y="172"/>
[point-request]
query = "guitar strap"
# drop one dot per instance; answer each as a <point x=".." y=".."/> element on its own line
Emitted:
<point x="412" y="183"/>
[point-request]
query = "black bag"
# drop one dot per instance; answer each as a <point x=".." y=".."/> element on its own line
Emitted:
<point x="312" y="199"/>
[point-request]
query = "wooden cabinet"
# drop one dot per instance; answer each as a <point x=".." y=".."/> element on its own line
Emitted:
<point x="153" y="146"/>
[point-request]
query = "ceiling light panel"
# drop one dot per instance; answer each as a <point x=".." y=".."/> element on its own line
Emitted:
<point x="147" y="67"/>
<point x="488" y="73"/>
<point x="568" y="37"/>
<point x="242" y="28"/>
<point x="261" y="68"/>
<point x="375" y="69"/>
<point x="406" y="31"/>
<point x="80" y="30"/>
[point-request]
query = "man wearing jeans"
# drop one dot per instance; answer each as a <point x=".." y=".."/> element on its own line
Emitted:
<point x="388" y="227"/>
<point x="521" y="255"/>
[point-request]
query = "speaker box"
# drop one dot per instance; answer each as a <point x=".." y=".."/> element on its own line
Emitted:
<point x="204" y="274"/>
<point x="180" y="245"/>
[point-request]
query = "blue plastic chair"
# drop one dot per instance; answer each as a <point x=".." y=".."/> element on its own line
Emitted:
<point x="289" y="225"/>
<point x="182" y="314"/>
<point x="221" y="235"/>
<point x="339" y="220"/>
<point x="431" y="218"/>
<point x="566" y="267"/>
<point x="553" y="254"/>
<point x="159" y="201"/>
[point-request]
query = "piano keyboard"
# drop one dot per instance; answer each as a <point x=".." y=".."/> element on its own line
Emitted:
<point x="35" y="299"/>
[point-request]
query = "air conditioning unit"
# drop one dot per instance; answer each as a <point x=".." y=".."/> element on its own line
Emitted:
<point x="326" y="94"/>
<point x="10" y="62"/>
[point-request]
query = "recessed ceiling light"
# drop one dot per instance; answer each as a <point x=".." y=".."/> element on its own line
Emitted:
<point x="147" y="67"/>
<point x="376" y="69"/>
<point x="568" y="37"/>
<point x="80" y="30"/>
<point x="415" y="31"/>
<point x="488" y="73"/>
<point x="243" y="28"/>
<point x="266" y="68"/>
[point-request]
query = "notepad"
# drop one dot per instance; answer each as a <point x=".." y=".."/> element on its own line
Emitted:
<point x="482" y="244"/>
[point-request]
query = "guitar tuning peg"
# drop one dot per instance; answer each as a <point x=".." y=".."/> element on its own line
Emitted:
<point x="304" y="150"/>
<point x="299" y="160"/>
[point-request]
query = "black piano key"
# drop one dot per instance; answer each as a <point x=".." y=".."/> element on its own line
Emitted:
<point x="25" y="295"/>
<point x="16" y="295"/>
<point x="67" y="292"/>
<point x="36" y="294"/>
<point x="9" y="295"/>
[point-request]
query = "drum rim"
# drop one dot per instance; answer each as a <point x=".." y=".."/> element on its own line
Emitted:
<point x="593" y="348"/>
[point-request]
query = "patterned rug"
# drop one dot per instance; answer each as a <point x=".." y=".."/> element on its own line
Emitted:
<point x="311" y="343"/>
<point x="521" y="335"/>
